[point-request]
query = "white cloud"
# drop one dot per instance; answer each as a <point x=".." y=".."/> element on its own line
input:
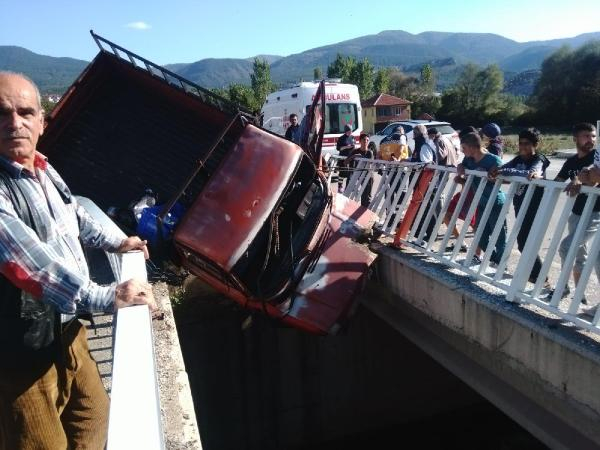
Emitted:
<point x="138" y="25"/>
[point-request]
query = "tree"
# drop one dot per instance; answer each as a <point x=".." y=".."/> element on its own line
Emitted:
<point x="402" y="85"/>
<point x="47" y="105"/>
<point x="476" y="96"/>
<point x="243" y="95"/>
<point x="381" y="85"/>
<point x="260" y="79"/>
<point x="317" y="73"/>
<point x="361" y="75"/>
<point x="568" y="90"/>
<point x="341" y="67"/>
<point x="427" y="79"/>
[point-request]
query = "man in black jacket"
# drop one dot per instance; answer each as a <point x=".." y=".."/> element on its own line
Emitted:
<point x="293" y="132"/>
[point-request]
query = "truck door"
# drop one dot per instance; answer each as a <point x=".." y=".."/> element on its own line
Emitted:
<point x="312" y="136"/>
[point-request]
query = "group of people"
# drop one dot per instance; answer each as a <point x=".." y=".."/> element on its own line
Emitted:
<point x="482" y="150"/>
<point x="430" y="146"/>
<point x="528" y="163"/>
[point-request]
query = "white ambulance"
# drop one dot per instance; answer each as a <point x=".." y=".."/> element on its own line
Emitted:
<point x="342" y="108"/>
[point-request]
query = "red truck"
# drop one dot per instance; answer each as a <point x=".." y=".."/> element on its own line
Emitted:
<point x="261" y="223"/>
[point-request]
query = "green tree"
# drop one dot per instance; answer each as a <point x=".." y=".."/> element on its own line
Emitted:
<point x="341" y="67"/>
<point x="381" y="85"/>
<point x="243" y="95"/>
<point x="427" y="79"/>
<point x="261" y="83"/>
<point x="429" y="104"/>
<point x="568" y="90"/>
<point x="512" y="109"/>
<point x="317" y="73"/>
<point x="362" y="76"/>
<point x="402" y="85"/>
<point x="47" y="105"/>
<point x="476" y="96"/>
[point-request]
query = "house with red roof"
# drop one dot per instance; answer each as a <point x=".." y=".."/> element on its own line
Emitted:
<point x="382" y="109"/>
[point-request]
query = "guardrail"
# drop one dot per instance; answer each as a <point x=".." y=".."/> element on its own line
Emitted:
<point x="134" y="419"/>
<point x="399" y="190"/>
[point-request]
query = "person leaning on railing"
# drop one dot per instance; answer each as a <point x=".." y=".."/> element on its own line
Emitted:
<point x="478" y="158"/>
<point x="462" y="215"/>
<point x="425" y="153"/>
<point x="529" y="164"/>
<point x="51" y="395"/>
<point x="580" y="169"/>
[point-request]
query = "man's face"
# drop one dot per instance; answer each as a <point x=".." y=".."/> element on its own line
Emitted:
<point x="467" y="149"/>
<point x="526" y="147"/>
<point x="585" y="141"/>
<point x="294" y="120"/>
<point x="364" y="142"/>
<point x="21" y="118"/>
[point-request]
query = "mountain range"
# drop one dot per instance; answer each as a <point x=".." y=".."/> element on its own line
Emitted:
<point x="446" y="52"/>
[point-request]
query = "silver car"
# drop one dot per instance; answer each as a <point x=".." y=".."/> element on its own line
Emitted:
<point x="443" y="127"/>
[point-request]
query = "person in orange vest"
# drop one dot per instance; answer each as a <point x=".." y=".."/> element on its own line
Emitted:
<point x="394" y="147"/>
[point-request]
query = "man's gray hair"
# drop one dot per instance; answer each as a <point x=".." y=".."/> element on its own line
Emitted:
<point x="420" y="130"/>
<point x="8" y="73"/>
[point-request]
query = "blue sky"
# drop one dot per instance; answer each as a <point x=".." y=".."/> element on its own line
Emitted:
<point x="186" y="30"/>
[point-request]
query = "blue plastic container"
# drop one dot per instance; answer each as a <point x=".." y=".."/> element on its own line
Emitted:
<point x="147" y="226"/>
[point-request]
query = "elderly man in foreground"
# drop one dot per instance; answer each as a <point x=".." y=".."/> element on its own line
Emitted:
<point x="51" y="395"/>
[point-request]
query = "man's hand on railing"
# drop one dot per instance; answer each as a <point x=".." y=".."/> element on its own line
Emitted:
<point x="134" y="243"/>
<point x="493" y="173"/>
<point x="134" y="292"/>
<point x="460" y="174"/>
<point x="590" y="176"/>
<point x="573" y="187"/>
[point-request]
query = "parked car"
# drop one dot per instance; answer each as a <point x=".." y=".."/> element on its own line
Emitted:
<point x="443" y="127"/>
<point x="258" y="219"/>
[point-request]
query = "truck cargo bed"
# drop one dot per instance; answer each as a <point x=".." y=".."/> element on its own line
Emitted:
<point x="124" y="130"/>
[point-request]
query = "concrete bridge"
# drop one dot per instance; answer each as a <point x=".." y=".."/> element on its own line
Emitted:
<point x="273" y="387"/>
<point x="539" y="370"/>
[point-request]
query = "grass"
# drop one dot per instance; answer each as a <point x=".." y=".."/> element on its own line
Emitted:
<point x="176" y="295"/>
<point x="553" y="139"/>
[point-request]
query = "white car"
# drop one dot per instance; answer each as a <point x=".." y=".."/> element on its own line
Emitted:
<point x="443" y="127"/>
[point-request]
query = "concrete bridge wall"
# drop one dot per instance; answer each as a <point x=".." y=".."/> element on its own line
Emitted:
<point x="541" y="372"/>
<point x="269" y="387"/>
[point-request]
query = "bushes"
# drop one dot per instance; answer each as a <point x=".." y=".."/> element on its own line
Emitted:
<point x="568" y="90"/>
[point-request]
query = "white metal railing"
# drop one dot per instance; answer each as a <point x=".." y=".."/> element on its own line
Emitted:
<point x="395" y="184"/>
<point x="134" y="419"/>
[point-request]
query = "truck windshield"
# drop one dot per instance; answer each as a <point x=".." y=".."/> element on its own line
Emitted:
<point x="338" y="115"/>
